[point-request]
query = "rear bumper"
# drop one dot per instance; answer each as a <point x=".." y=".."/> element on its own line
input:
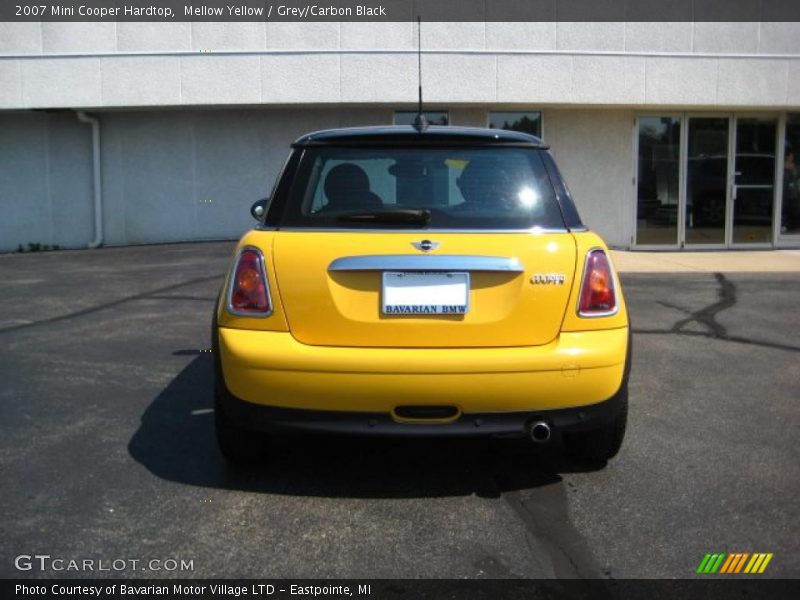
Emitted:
<point x="276" y="420"/>
<point x="272" y="375"/>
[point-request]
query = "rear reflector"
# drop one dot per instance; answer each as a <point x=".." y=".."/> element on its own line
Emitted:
<point x="598" y="296"/>
<point x="249" y="291"/>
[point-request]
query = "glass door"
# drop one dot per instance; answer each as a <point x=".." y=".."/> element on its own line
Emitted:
<point x="790" y="190"/>
<point x="658" y="181"/>
<point x="706" y="207"/>
<point x="753" y="190"/>
<point x="711" y="181"/>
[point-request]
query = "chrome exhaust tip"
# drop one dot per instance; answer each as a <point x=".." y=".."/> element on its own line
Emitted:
<point x="540" y="432"/>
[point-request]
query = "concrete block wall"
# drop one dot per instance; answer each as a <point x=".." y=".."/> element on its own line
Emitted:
<point x="676" y="37"/>
<point x="692" y="65"/>
<point x="390" y="78"/>
<point x="197" y="117"/>
<point x="171" y="175"/>
<point x="45" y="180"/>
<point x="594" y="151"/>
<point x="176" y="175"/>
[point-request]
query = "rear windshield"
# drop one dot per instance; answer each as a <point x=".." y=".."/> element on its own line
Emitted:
<point x="455" y="188"/>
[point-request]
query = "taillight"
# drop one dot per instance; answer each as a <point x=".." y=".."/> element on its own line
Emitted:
<point x="249" y="291"/>
<point x="598" y="296"/>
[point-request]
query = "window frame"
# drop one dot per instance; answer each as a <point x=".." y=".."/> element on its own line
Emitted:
<point x="539" y="111"/>
<point x="425" y="112"/>
<point x="296" y="198"/>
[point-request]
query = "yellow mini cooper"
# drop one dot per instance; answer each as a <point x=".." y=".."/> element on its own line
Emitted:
<point x="421" y="282"/>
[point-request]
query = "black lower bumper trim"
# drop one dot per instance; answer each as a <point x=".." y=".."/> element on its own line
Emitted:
<point x="274" y="419"/>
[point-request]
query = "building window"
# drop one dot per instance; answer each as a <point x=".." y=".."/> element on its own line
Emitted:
<point x="709" y="180"/>
<point x="658" y="182"/>
<point x="526" y="122"/>
<point x="435" y="117"/>
<point x="790" y="201"/>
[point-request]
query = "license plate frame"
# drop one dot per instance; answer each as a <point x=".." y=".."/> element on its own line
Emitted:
<point x="414" y="293"/>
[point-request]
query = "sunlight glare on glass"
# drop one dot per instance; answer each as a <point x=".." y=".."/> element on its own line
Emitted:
<point x="528" y="197"/>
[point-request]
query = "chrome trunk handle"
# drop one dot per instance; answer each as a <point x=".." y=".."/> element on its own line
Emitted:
<point x="426" y="262"/>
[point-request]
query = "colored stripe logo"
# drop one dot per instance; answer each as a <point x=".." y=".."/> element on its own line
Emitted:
<point x="735" y="562"/>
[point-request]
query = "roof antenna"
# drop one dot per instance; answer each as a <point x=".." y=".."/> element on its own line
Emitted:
<point x="420" y="122"/>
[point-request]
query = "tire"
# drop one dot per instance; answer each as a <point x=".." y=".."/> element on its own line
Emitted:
<point x="600" y="445"/>
<point x="238" y="445"/>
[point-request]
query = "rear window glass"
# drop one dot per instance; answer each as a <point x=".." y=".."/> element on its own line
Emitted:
<point x="460" y="188"/>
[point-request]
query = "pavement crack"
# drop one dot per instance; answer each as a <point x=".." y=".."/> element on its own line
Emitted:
<point x="93" y="309"/>
<point x="685" y="311"/>
<point x="707" y="317"/>
<point x="543" y="512"/>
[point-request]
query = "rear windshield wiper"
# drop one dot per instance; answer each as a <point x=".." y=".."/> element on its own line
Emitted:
<point x="405" y="216"/>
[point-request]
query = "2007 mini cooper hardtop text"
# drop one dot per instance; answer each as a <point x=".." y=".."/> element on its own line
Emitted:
<point x="421" y="281"/>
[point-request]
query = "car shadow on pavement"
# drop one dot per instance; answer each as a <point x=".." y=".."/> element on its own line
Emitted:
<point x="175" y="441"/>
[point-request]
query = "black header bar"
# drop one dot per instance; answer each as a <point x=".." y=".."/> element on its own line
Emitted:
<point x="710" y="588"/>
<point x="399" y="10"/>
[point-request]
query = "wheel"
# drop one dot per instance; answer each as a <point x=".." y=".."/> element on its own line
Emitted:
<point x="600" y="445"/>
<point x="238" y="445"/>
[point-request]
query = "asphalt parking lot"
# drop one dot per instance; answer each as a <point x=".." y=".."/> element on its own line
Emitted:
<point x="107" y="447"/>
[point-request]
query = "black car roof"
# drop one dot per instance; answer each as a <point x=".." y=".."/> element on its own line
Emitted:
<point x="408" y="135"/>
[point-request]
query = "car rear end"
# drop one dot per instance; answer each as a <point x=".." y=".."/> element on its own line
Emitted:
<point x="421" y="283"/>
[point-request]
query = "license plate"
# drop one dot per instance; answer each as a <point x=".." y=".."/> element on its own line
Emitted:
<point x="425" y="293"/>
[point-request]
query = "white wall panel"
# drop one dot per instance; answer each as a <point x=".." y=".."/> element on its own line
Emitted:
<point x="793" y="87"/>
<point x="723" y="38"/>
<point x="45" y="180"/>
<point x="681" y="81"/>
<point x="300" y="78"/>
<point x="145" y="81"/>
<point x="381" y="36"/>
<point x="449" y="78"/>
<point x="221" y="79"/>
<point x="20" y="38"/>
<point x="658" y="37"/>
<point x="302" y="36"/>
<point x="392" y="78"/>
<point x="521" y="36"/>
<point x="593" y="149"/>
<point x="193" y="174"/>
<point x="79" y="37"/>
<point x="229" y="36"/>
<point x="534" y="78"/>
<point x="459" y="77"/>
<point x="608" y="80"/>
<point x="11" y="88"/>
<point x="24" y="184"/>
<point x="459" y="36"/>
<point x="747" y="82"/>
<point x="61" y="82"/>
<point x="590" y="36"/>
<point x="676" y="37"/>
<point x="154" y="37"/>
<point x="779" y="38"/>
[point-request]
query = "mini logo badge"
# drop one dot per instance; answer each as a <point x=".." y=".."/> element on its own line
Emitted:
<point x="425" y="245"/>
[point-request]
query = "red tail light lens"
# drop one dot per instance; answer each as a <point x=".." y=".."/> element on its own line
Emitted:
<point x="249" y="293"/>
<point x="598" y="296"/>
